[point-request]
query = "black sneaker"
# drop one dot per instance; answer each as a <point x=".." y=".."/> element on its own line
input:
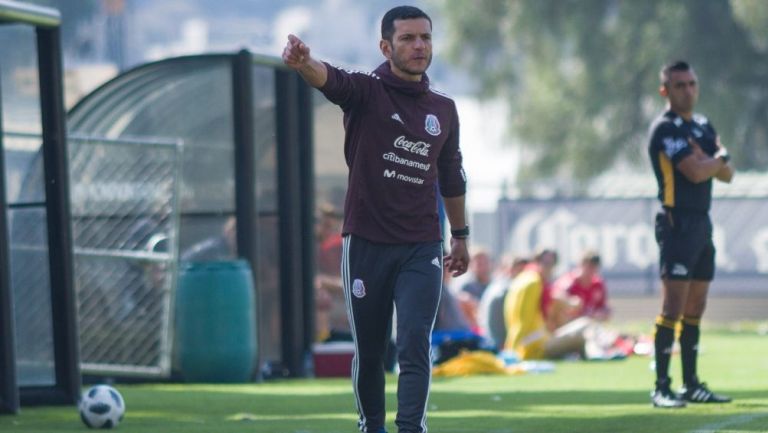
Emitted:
<point x="698" y="392"/>
<point x="663" y="396"/>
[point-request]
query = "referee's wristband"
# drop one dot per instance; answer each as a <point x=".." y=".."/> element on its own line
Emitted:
<point x="461" y="233"/>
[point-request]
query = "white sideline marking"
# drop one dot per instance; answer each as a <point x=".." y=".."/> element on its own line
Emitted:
<point x="730" y="422"/>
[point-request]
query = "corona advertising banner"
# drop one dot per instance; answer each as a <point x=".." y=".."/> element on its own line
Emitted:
<point x="622" y="232"/>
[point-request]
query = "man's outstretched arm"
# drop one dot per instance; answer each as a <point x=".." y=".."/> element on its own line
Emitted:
<point x="296" y="56"/>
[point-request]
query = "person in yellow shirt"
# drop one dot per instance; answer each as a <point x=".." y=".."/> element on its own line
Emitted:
<point x="527" y="333"/>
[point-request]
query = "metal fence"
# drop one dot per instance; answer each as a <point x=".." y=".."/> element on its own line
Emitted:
<point x="29" y="265"/>
<point x="124" y="196"/>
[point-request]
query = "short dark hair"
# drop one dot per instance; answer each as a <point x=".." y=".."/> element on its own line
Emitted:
<point x="676" y="66"/>
<point x="544" y="252"/>
<point x="400" y="13"/>
<point x="591" y="257"/>
<point x="520" y="261"/>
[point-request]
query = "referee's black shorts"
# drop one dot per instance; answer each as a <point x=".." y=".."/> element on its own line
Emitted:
<point x="685" y="243"/>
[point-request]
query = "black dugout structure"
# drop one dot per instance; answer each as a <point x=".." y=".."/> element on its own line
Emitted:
<point x="38" y="358"/>
<point x="246" y="124"/>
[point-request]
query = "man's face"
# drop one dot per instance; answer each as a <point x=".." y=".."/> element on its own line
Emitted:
<point x="327" y="226"/>
<point x="481" y="266"/>
<point x="590" y="269"/>
<point x="516" y="268"/>
<point x="410" y="51"/>
<point x="682" y="91"/>
<point x="548" y="263"/>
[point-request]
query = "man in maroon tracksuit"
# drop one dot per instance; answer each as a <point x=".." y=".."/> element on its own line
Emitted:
<point x="402" y="149"/>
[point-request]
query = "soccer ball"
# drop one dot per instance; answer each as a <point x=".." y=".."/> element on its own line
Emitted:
<point x="101" y="406"/>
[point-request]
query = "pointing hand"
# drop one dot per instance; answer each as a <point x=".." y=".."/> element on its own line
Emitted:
<point x="296" y="53"/>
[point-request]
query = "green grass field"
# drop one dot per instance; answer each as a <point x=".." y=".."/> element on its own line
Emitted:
<point x="578" y="397"/>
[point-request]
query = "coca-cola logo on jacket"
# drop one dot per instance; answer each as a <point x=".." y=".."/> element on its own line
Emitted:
<point x="417" y="147"/>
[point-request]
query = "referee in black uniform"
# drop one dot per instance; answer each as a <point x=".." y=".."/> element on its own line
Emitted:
<point x="686" y="155"/>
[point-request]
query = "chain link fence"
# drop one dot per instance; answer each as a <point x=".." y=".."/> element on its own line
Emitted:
<point x="124" y="196"/>
<point x="29" y="266"/>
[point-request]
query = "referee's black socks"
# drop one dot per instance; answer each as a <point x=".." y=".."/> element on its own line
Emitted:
<point x="663" y="341"/>
<point x="689" y="348"/>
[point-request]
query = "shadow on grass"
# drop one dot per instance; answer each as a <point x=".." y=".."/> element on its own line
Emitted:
<point x="296" y="407"/>
<point x="603" y="398"/>
<point x="590" y="411"/>
<point x="287" y="409"/>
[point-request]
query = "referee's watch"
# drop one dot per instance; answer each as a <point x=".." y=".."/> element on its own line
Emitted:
<point x="725" y="157"/>
<point x="461" y="233"/>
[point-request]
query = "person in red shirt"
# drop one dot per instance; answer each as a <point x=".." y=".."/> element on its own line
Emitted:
<point x="579" y="293"/>
<point x="330" y="315"/>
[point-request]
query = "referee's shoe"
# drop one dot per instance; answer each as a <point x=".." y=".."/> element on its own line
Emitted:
<point x="697" y="392"/>
<point x="663" y="397"/>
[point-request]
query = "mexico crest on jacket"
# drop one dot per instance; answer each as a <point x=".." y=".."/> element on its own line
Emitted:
<point x="432" y="125"/>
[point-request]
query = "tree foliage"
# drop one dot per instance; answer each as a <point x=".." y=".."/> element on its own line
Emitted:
<point x="581" y="76"/>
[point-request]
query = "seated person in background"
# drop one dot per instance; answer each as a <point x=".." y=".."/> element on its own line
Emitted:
<point x="331" y="321"/>
<point x="480" y="273"/>
<point x="579" y="293"/>
<point x="449" y="315"/>
<point x="490" y="313"/>
<point x="527" y="334"/>
<point x="452" y="332"/>
<point x="220" y="247"/>
<point x="478" y="278"/>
